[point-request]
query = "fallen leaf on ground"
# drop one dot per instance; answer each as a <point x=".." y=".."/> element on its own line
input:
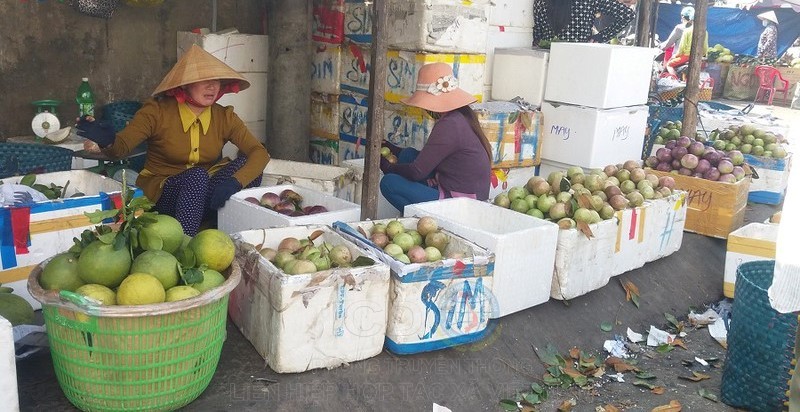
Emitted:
<point x="674" y="406"/>
<point x="620" y="365"/>
<point x="696" y="377"/>
<point x="707" y="394"/>
<point x="631" y="291"/>
<point x="643" y="384"/>
<point x="658" y="390"/>
<point x="508" y="405"/>
<point x="571" y="372"/>
<point x="608" y="408"/>
<point x="575" y="353"/>
<point x="606" y="326"/>
<point x="645" y="375"/>
<point x="679" y="342"/>
<point x="567" y="405"/>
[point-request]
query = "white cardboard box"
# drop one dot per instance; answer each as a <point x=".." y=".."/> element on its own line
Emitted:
<point x="53" y="223"/>
<point x="435" y="305"/>
<point x="238" y="214"/>
<point x="243" y="52"/>
<point x="513" y="13"/>
<point x="385" y="209"/>
<point x="589" y="137"/>
<point x="249" y="104"/>
<point x="503" y="38"/>
<point x="331" y="180"/>
<point x="755" y="241"/>
<point x="326" y="66"/>
<point x="403" y="67"/>
<point x="520" y="71"/>
<point x="439" y="26"/>
<point x="319" y="320"/>
<point x="524" y="247"/>
<point x="599" y="75"/>
<point x="325" y="115"/>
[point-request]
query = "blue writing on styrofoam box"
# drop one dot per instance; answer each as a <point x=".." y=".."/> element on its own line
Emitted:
<point x="351" y="147"/>
<point x="322" y="66"/>
<point x="401" y="75"/>
<point x="407" y="130"/>
<point x="355" y="69"/>
<point x="353" y="116"/>
<point x="562" y="131"/>
<point x="621" y="133"/>
<point x="324" y="151"/>
<point x="358" y="21"/>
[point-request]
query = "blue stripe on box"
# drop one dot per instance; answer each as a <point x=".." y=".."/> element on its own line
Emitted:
<point x="766" y="162"/>
<point x="8" y="255"/>
<point x="765" y="197"/>
<point x="365" y="39"/>
<point x="69" y="203"/>
<point x="412" y="348"/>
<point x="427" y="274"/>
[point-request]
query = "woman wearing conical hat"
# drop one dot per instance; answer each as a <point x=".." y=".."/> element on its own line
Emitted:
<point x="768" y="41"/>
<point x="185" y="129"/>
<point x="456" y="159"/>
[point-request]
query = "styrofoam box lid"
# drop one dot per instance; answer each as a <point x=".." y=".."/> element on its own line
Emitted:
<point x="474" y="254"/>
<point x="271" y="238"/>
<point x="498" y="106"/>
<point x="238" y="214"/>
<point x="287" y="169"/>
<point x="522" y="51"/>
<point x="356" y="165"/>
<point x="759" y="231"/>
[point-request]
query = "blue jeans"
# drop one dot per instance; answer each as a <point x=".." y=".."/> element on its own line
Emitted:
<point x="400" y="191"/>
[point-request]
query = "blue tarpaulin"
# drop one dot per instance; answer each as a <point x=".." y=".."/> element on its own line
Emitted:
<point x="736" y="29"/>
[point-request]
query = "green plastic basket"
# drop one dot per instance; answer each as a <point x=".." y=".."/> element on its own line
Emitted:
<point x="134" y="358"/>
<point x="760" y="344"/>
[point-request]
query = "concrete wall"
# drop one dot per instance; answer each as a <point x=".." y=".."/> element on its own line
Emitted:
<point x="47" y="46"/>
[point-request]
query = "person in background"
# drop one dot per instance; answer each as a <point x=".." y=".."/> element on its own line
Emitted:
<point x="185" y="129"/>
<point x="572" y="20"/>
<point x="681" y="56"/>
<point x="768" y="42"/>
<point x="456" y="159"/>
<point x="669" y="45"/>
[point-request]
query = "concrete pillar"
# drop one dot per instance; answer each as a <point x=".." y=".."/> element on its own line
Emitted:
<point x="289" y="88"/>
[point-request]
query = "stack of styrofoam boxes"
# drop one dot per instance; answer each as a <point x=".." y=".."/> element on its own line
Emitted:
<point x="594" y="104"/>
<point x="510" y="26"/>
<point x="755" y="241"/>
<point x="9" y="395"/>
<point x="248" y="55"/>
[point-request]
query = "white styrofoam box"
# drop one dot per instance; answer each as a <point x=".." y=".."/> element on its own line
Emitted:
<point x="514" y="13"/>
<point x="327" y="22"/>
<point x="52" y="224"/>
<point x="435" y="305"/>
<point x="589" y="137"/>
<point x="524" y="247"/>
<point x="406" y="126"/>
<point x="239" y="214"/>
<point x="323" y="151"/>
<point x="502" y="37"/>
<point x="520" y="71"/>
<point x="9" y="395"/>
<point x="506" y="178"/>
<point x="439" y="26"/>
<point x="754" y="241"/>
<point x="242" y="52"/>
<point x="331" y="180"/>
<point x="318" y="320"/>
<point x="513" y="132"/>
<point x="403" y="66"/>
<point x="630" y="239"/>
<point x="773" y="178"/>
<point x="599" y="75"/>
<point x="358" y="21"/>
<point x="326" y="66"/>
<point x="353" y="117"/>
<point x="385" y="209"/>
<point x="325" y="115"/>
<point x="249" y="104"/>
<point x="356" y="62"/>
<point x="713" y="120"/>
<point x="351" y="147"/>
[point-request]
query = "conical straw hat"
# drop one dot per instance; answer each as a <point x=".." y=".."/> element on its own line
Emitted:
<point x="769" y="16"/>
<point x="197" y="65"/>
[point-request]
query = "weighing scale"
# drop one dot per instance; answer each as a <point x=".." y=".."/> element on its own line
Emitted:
<point x="45" y="123"/>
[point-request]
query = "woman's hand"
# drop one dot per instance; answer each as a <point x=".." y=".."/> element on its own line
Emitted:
<point x="91" y="146"/>
<point x="98" y="131"/>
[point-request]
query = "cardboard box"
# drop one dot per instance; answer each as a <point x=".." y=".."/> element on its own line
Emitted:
<point x="434" y="305"/>
<point x="323" y="151"/>
<point x="242" y="52"/>
<point x="238" y="214"/>
<point x="511" y="13"/>
<point x="589" y="137"/>
<point x="524" y="247"/>
<point x="520" y="71"/>
<point x="318" y="320"/>
<point x="48" y="227"/>
<point x="755" y="241"/>
<point x="358" y="21"/>
<point x="325" y="115"/>
<point x="249" y="104"/>
<point x="407" y="126"/>
<point x="597" y="75"/>
<point x="715" y="209"/>
<point x="501" y="37"/>
<point x="326" y="66"/>
<point x="356" y="62"/>
<point x="513" y="133"/>
<point x="327" y="21"/>
<point x="403" y="66"/>
<point x="439" y="26"/>
<point x="331" y="180"/>
<point x="773" y="179"/>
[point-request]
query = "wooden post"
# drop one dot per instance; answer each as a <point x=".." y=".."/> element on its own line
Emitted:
<point x="692" y="91"/>
<point x="377" y="86"/>
<point x="643" y="22"/>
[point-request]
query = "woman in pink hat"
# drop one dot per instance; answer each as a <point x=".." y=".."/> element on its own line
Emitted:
<point x="456" y="159"/>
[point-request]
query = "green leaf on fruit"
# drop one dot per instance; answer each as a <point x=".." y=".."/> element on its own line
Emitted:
<point x="107" y="238"/>
<point x="565" y="185"/>
<point x="150" y="241"/>
<point x="186" y="257"/>
<point x="120" y="241"/>
<point x="192" y="276"/>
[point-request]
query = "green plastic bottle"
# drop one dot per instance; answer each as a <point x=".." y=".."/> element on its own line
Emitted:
<point x="85" y="99"/>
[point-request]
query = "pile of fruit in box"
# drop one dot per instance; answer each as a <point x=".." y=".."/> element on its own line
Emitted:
<point x="749" y="140"/>
<point x="425" y="244"/>
<point x="146" y="260"/>
<point x="672" y="131"/>
<point x="298" y="256"/>
<point x="689" y="157"/>
<point x="288" y="202"/>
<point x="575" y="196"/>
<point x="719" y="54"/>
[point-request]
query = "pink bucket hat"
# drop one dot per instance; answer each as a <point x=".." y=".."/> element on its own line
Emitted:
<point x="437" y="90"/>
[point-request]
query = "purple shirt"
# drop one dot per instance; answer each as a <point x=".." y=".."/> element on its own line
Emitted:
<point x="455" y="152"/>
